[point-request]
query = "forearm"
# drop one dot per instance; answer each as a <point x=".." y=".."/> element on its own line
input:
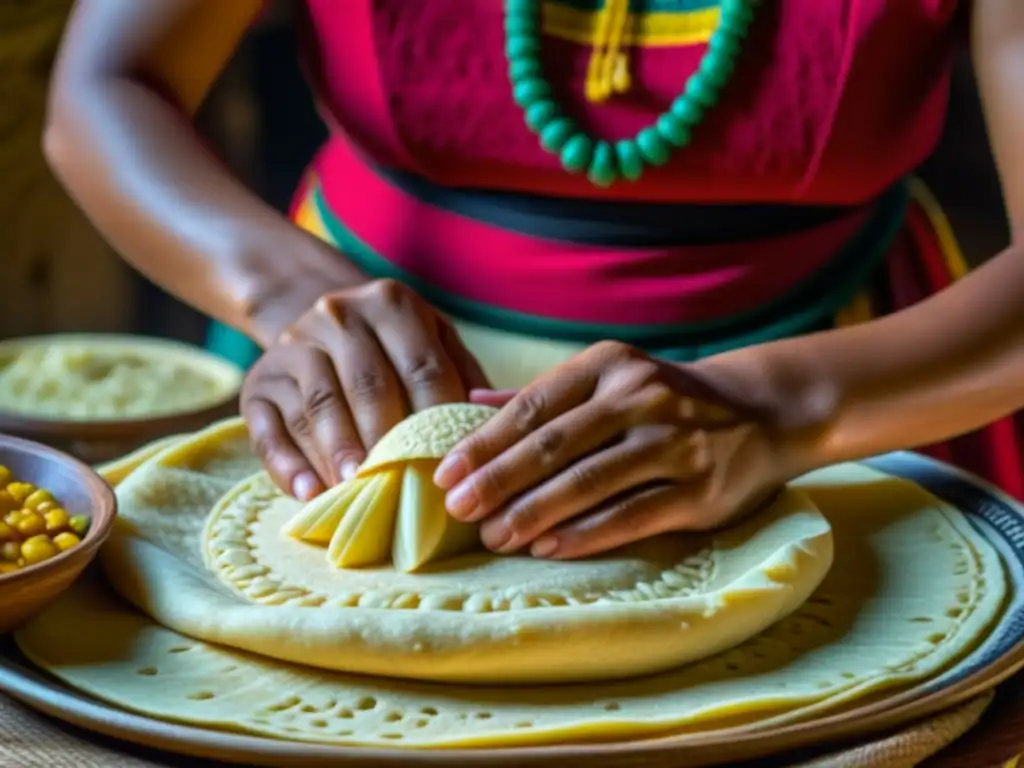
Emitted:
<point x="946" y="366"/>
<point x="132" y="162"/>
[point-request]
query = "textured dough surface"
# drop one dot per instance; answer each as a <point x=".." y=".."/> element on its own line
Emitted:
<point x="912" y="588"/>
<point x="108" y="377"/>
<point x="480" y="618"/>
<point x="392" y="511"/>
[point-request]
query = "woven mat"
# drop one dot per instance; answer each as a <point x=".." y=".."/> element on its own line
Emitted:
<point x="29" y="740"/>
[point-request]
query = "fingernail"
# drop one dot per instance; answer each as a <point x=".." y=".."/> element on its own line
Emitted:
<point x="451" y="470"/>
<point x="461" y="501"/>
<point x="497" y="539"/>
<point x="349" y="468"/>
<point x="305" y="486"/>
<point x="545" y="546"/>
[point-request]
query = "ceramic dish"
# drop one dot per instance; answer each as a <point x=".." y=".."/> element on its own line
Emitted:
<point x="82" y="492"/>
<point x="97" y="439"/>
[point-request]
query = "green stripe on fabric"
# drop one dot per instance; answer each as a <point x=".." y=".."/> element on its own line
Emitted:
<point x="807" y="307"/>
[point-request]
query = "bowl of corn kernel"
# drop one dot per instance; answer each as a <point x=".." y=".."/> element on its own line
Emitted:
<point x="54" y="513"/>
<point x="99" y="396"/>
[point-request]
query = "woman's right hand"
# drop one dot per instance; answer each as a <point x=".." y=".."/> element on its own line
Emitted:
<point x="350" y="368"/>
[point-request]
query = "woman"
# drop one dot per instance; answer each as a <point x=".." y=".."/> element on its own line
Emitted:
<point x="667" y="226"/>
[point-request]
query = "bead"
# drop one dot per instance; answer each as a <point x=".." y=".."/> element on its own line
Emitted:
<point x="602" y="171"/>
<point x="522" y="46"/>
<point x="673" y="130"/>
<point x="556" y="133"/>
<point x="521" y="25"/>
<point x="540" y="113"/>
<point x="654" y="149"/>
<point x="532" y="89"/>
<point x="724" y="43"/>
<point x="521" y="7"/>
<point x="631" y="162"/>
<point x="717" y="69"/>
<point x="519" y="69"/>
<point x="701" y="90"/>
<point x="604" y="162"/>
<point x="577" y="152"/>
<point x="688" y="111"/>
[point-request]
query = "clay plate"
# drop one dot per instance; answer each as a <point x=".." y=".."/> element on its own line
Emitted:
<point x="95" y="441"/>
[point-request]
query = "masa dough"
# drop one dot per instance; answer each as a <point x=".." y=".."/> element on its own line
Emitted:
<point x="84" y="377"/>
<point x="913" y="587"/>
<point x="479" y="618"/>
<point x="392" y="511"/>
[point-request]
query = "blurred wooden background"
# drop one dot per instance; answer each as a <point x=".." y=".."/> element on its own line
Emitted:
<point x="58" y="275"/>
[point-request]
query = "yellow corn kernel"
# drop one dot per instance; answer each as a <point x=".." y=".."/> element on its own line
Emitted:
<point x="37" y="497"/>
<point x="7" y="503"/>
<point x="66" y="541"/>
<point x="20" y="491"/>
<point x="80" y="524"/>
<point x="7" y="532"/>
<point x="38" y="549"/>
<point x="45" y="506"/>
<point x="5" y="475"/>
<point x="56" y="520"/>
<point x="10" y="551"/>
<point x="31" y="524"/>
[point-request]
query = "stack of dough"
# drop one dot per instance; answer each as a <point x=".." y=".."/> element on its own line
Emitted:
<point x="245" y="628"/>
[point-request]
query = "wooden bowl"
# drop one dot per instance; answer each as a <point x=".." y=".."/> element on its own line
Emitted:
<point x="82" y="492"/>
<point x="100" y="440"/>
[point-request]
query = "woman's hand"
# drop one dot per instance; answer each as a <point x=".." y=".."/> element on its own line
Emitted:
<point x="609" y="448"/>
<point x="342" y="375"/>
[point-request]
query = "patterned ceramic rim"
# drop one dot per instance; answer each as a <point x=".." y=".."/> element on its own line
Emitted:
<point x="1000" y="520"/>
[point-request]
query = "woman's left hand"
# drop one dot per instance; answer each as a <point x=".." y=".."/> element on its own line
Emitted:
<point x="611" y="447"/>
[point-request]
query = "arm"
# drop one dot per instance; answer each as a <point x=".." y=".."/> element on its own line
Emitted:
<point x="941" y="368"/>
<point x="129" y="76"/>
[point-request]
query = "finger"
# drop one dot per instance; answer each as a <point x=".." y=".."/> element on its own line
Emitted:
<point x="646" y="456"/>
<point x="537" y="457"/>
<point x="284" y="393"/>
<point x="330" y="424"/>
<point x="407" y="331"/>
<point x="271" y="441"/>
<point x="496" y="398"/>
<point x="556" y="392"/>
<point x="636" y="516"/>
<point x="469" y="368"/>
<point x="372" y="391"/>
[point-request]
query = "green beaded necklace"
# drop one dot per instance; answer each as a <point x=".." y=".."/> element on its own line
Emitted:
<point x="606" y="162"/>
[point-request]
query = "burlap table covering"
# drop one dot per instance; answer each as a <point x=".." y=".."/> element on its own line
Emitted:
<point x="30" y="740"/>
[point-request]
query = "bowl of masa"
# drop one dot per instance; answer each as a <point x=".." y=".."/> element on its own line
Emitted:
<point x="100" y="396"/>
<point x="55" y="512"/>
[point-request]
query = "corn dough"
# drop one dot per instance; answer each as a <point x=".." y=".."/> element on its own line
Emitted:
<point x="912" y="589"/>
<point x="480" y="617"/>
<point x="108" y="377"/>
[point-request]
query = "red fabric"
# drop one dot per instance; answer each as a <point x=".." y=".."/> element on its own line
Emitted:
<point x="820" y="87"/>
<point x="636" y="286"/>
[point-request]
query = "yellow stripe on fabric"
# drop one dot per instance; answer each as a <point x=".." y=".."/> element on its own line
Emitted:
<point x="307" y="217"/>
<point x="951" y="252"/>
<point x="644" y="29"/>
<point x="858" y="311"/>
